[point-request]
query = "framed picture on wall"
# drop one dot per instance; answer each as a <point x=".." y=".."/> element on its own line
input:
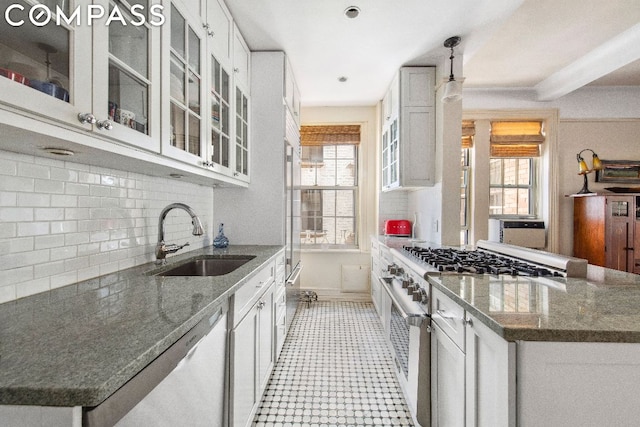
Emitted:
<point x="621" y="171"/>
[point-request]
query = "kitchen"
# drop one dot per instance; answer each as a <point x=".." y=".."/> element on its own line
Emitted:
<point x="65" y="222"/>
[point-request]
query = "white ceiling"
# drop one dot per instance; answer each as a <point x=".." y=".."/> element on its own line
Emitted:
<point x="550" y="46"/>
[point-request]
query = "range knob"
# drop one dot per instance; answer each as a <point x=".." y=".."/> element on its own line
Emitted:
<point x="421" y="296"/>
<point x="406" y="282"/>
<point x="412" y="288"/>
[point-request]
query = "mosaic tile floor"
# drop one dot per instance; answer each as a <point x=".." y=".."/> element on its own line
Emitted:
<point x="334" y="370"/>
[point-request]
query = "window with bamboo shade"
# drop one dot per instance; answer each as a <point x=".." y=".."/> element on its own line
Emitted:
<point x="329" y="186"/>
<point x="511" y="139"/>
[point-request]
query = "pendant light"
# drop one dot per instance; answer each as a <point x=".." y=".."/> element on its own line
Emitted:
<point x="453" y="88"/>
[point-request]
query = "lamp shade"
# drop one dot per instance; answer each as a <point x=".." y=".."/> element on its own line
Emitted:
<point x="583" y="168"/>
<point x="597" y="163"/>
<point x="452" y="91"/>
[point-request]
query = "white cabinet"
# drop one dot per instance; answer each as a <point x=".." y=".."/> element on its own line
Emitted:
<point x="447" y="380"/>
<point x="185" y="47"/>
<point x="252" y="344"/>
<point x="408" y="130"/>
<point x="241" y="73"/>
<point x="473" y="370"/>
<point x="490" y="373"/>
<point x="292" y="93"/>
<point x="110" y="72"/>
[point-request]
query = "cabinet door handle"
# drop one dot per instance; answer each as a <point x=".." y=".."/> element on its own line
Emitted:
<point x="85" y="118"/>
<point x="441" y="313"/>
<point x="104" y="125"/>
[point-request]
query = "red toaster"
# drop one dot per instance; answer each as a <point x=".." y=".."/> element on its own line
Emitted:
<point x="397" y="227"/>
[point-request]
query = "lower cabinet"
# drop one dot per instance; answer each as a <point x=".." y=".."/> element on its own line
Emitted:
<point x="472" y="370"/>
<point x="447" y="380"/>
<point x="252" y="359"/>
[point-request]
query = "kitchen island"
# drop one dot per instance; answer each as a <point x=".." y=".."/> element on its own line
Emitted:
<point x="75" y="346"/>
<point x="537" y="351"/>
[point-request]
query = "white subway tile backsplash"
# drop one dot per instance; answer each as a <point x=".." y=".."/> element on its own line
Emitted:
<point x="59" y="174"/>
<point x="16" y="183"/>
<point x="64" y="227"/>
<point x="64" y="201"/>
<point x="34" y="199"/>
<point x="8" y="167"/>
<point x="49" y="241"/>
<point x="63" y="222"/>
<point x="77" y="189"/>
<point x="33" y="170"/>
<point x="33" y="228"/>
<point x="49" y="186"/>
<point x="8" y="229"/>
<point x="32" y="287"/>
<point x="7" y="293"/>
<point x="48" y="269"/>
<point x="49" y="214"/>
<point x="8" y="198"/>
<point x="16" y="214"/>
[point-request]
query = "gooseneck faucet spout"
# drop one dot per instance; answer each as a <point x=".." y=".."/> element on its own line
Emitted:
<point x="163" y="249"/>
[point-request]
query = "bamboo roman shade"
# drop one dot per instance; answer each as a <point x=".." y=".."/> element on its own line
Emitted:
<point x="516" y="139"/>
<point x="468" y="132"/>
<point x="330" y="135"/>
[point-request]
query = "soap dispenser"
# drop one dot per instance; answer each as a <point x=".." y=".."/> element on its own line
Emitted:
<point x="221" y="240"/>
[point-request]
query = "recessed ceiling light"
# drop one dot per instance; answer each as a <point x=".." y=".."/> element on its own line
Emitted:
<point x="58" y="151"/>
<point x="352" y="12"/>
<point x="342" y="79"/>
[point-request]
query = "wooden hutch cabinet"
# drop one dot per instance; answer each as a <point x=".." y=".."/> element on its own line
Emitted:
<point x="605" y="231"/>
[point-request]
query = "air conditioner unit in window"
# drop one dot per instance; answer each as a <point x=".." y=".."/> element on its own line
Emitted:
<point x="528" y="233"/>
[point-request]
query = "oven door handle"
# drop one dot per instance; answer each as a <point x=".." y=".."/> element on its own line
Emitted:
<point x="412" y="319"/>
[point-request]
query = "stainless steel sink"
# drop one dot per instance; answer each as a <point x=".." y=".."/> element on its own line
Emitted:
<point x="208" y="265"/>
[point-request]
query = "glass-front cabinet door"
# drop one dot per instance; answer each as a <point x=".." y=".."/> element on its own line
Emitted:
<point x="45" y="69"/>
<point x="127" y="75"/>
<point x="220" y="119"/>
<point x="242" y="135"/>
<point x="186" y="100"/>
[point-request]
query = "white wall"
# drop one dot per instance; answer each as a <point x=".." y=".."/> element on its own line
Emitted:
<point x="322" y="269"/>
<point x="63" y="222"/>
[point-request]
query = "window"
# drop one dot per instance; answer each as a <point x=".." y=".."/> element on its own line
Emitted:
<point x="468" y="131"/>
<point x="329" y="186"/>
<point x="515" y="147"/>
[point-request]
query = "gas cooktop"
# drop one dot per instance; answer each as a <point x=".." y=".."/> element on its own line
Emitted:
<point x="496" y="258"/>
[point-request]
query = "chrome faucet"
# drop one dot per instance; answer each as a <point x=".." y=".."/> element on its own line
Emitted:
<point x="163" y="249"/>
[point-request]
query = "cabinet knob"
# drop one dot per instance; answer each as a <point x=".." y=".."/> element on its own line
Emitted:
<point x="105" y="125"/>
<point x="261" y="304"/>
<point x="85" y="118"/>
<point x="467" y="321"/>
<point x="236" y="70"/>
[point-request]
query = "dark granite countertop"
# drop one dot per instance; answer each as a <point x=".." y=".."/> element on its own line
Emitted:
<point x="76" y="345"/>
<point x="604" y="307"/>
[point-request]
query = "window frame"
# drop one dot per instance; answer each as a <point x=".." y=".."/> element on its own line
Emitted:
<point x="355" y="188"/>
<point x="533" y="187"/>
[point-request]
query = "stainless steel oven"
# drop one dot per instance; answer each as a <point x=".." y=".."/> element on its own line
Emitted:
<point x="408" y="333"/>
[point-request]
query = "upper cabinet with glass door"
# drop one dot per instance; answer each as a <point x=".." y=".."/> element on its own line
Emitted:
<point x="185" y="110"/>
<point x="127" y="79"/>
<point x="241" y="71"/>
<point x="43" y="69"/>
<point x="54" y="70"/>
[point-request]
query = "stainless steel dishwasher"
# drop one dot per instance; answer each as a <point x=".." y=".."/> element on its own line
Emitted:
<point x="183" y="386"/>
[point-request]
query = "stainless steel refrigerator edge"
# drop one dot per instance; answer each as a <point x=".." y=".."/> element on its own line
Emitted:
<point x="292" y="221"/>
